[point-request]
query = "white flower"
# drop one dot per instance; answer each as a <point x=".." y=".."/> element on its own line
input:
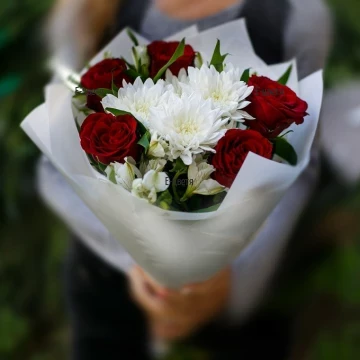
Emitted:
<point x="199" y="181"/>
<point x="155" y="164"/>
<point x="152" y="183"/>
<point x="139" y="98"/>
<point x="190" y="126"/>
<point x="225" y="90"/>
<point x="157" y="146"/>
<point x="176" y="81"/>
<point x="140" y="56"/>
<point x="123" y="174"/>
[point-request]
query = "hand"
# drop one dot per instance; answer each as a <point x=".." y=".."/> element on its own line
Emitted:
<point x="174" y="315"/>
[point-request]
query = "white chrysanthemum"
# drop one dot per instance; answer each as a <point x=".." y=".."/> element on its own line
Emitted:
<point x="190" y="126"/>
<point x="224" y="89"/>
<point x="176" y="81"/>
<point x="139" y="98"/>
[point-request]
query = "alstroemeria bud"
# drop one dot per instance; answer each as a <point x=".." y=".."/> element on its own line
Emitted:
<point x="141" y="58"/>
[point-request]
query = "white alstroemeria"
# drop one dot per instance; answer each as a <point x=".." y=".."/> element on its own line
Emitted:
<point x="123" y="174"/>
<point x="224" y="89"/>
<point x="157" y="147"/>
<point x="189" y="125"/>
<point x="176" y="81"/>
<point x="199" y="61"/>
<point x="154" y="164"/>
<point x="139" y="98"/>
<point x="152" y="183"/>
<point x="140" y="56"/>
<point x="199" y="181"/>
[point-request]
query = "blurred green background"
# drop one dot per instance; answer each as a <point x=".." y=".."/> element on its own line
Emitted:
<point x="322" y="287"/>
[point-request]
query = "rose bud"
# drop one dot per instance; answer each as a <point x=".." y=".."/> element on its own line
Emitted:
<point x="110" y="139"/>
<point x="274" y="106"/>
<point x="101" y="76"/>
<point x="160" y="53"/>
<point x="232" y="150"/>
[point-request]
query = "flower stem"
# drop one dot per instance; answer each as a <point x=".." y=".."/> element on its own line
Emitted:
<point x="176" y="177"/>
<point x="176" y="195"/>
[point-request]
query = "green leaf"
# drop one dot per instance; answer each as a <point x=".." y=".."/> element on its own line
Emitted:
<point x="136" y="58"/>
<point x="132" y="73"/>
<point x="102" y="167"/>
<point x="117" y="112"/>
<point x="164" y="200"/>
<point x="288" y="132"/>
<point x="145" y="141"/>
<point x="285" y="78"/>
<point x="217" y="59"/>
<point x="131" y="66"/>
<point x="209" y="209"/>
<point x="177" y="54"/>
<point x="142" y="129"/>
<point x="102" y="92"/>
<point x="144" y="71"/>
<point x="245" y="76"/>
<point x="179" y="166"/>
<point x="79" y="97"/>
<point x="285" y="150"/>
<point x="132" y="37"/>
<point x="114" y="88"/>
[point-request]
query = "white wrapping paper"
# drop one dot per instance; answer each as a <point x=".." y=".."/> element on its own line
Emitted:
<point x="179" y="248"/>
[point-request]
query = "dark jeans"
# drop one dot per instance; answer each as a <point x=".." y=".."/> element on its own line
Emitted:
<point x="107" y="325"/>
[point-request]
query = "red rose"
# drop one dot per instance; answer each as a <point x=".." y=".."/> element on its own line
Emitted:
<point x="160" y="53"/>
<point x="101" y="76"/>
<point x="232" y="150"/>
<point x="274" y="106"/>
<point x="108" y="138"/>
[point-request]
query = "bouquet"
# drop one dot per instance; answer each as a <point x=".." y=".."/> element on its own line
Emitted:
<point x="182" y="147"/>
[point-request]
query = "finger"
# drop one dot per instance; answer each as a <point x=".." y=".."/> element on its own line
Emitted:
<point x="212" y="284"/>
<point x="158" y="289"/>
<point x="141" y="295"/>
<point x="176" y="308"/>
<point x="154" y="306"/>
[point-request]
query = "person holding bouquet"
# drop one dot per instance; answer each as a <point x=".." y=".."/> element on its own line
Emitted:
<point x="105" y="318"/>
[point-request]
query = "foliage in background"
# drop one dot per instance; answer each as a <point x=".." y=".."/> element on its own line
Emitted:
<point x="345" y="57"/>
<point x="32" y="242"/>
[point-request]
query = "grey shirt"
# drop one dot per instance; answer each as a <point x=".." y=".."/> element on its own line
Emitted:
<point x="306" y="36"/>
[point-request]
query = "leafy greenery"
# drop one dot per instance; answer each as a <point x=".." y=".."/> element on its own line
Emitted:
<point x="179" y="52"/>
<point x="218" y="59"/>
<point x="32" y="320"/>
<point x="286" y="76"/>
<point x="285" y="150"/>
<point x="132" y="37"/>
<point x="145" y="141"/>
<point x="245" y="76"/>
